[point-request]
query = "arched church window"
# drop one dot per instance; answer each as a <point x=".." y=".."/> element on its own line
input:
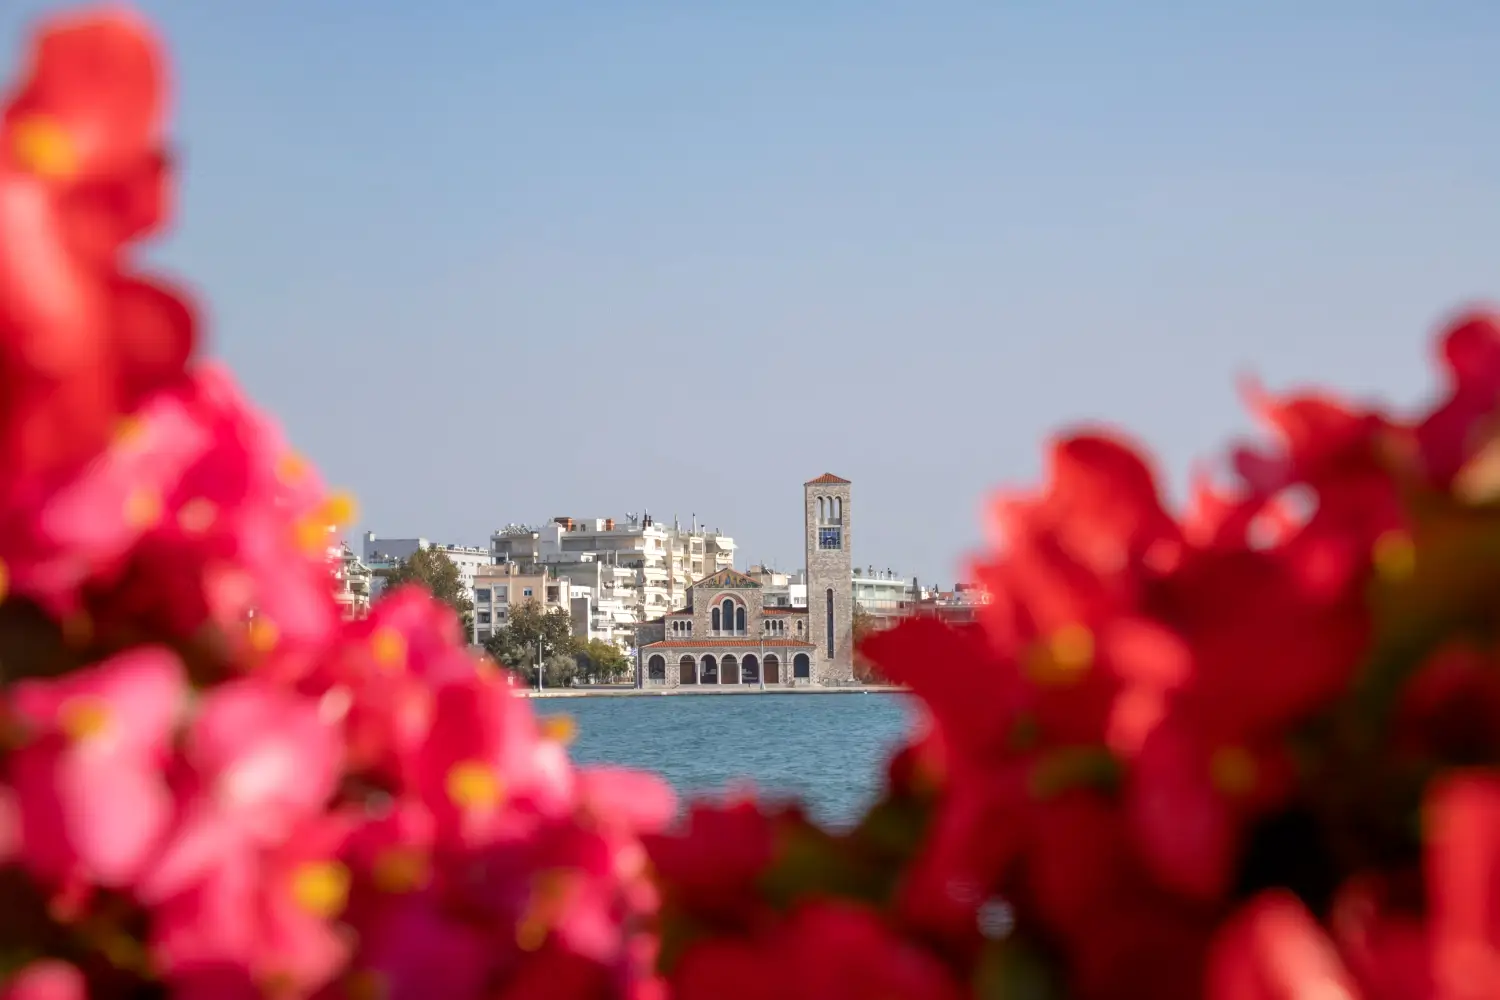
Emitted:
<point x="830" y="621"/>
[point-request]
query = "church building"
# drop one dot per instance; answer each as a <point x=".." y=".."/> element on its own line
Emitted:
<point x="726" y="635"/>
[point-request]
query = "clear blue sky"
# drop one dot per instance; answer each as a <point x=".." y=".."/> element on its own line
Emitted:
<point x="500" y="261"/>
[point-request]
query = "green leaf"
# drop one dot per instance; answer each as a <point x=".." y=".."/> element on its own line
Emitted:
<point x="1011" y="970"/>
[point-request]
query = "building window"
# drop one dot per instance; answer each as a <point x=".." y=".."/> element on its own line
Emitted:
<point x="830" y="621"/>
<point x="482" y="634"/>
<point x="728" y="618"/>
<point x="502" y="595"/>
<point x="484" y="617"/>
<point x="739" y="619"/>
<point x="830" y="538"/>
<point x="715" y="617"/>
<point x="481" y="595"/>
<point x="526" y="592"/>
<point x="552" y="594"/>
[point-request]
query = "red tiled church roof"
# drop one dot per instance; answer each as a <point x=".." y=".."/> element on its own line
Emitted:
<point x="784" y="611"/>
<point x="826" y="477"/>
<point x="748" y="642"/>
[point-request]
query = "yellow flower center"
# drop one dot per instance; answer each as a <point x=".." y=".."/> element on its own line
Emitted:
<point x="291" y="468"/>
<point x="43" y="147"/>
<point x="263" y="634"/>
<point x="129" y="432"/>
<point x="312" y="535"/>
<point x="143" y="509"/>
<point x="389" y="648"/>
<point x="1395" y="556"/>
<point x="473" y="785"/>
<point x="197" y="515"/>
<point x="548" y="896"/>
<point x="1063" y="658"/>
<point x="278" y="984"/>
<point x="561" y="728"/>
<point x="321" y="888"/>
<point x="340" y="509"/>
<point x="1234" y="771"/>
<point x="83" y="718"/>
<point x="531" y="933"/>
<point x="401" y="870"/>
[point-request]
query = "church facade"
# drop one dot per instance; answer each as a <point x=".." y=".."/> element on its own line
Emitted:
<point x="727" y="636"/>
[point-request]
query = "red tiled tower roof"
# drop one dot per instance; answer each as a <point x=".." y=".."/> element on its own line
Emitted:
<point x="826" y="477"/>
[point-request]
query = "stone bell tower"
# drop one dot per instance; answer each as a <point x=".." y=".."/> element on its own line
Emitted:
<point x="830" y="578"/>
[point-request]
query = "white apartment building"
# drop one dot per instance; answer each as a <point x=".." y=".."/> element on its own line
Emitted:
<point x="354" y="583"/>
<point x="644" y="566"/>
<point x="883" y="592"/>
<point x="612" y="596"/>
<point x="780" y="590"/>
<point x="385" y="553"/>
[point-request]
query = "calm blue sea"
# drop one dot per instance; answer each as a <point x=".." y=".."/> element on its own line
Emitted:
<point x="829" y="750"/>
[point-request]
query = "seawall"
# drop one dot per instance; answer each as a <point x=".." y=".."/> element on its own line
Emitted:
<point x="705" y="691"/>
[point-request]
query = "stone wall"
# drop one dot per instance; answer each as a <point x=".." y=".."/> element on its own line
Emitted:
<point x="673" y="660"/>
<point x="830" y="569"/>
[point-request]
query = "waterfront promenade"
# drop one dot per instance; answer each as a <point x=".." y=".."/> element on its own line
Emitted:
<point x="705" y="691"/>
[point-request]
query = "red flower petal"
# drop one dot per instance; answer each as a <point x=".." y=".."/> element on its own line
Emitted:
<point x="1274" y="950"/>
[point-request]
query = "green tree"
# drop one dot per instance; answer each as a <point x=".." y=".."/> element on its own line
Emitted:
<point x="516" y="645"/>
<point x="530" y="623"/>
<point x="603" y="661"/>
<point x="861" y="625"/>
<point x="433" y="570"/>
<point x="561" y="669"/>
<point x="501" y="645"/>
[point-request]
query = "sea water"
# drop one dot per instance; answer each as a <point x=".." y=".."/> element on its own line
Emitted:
<point x="828" y="750"/>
